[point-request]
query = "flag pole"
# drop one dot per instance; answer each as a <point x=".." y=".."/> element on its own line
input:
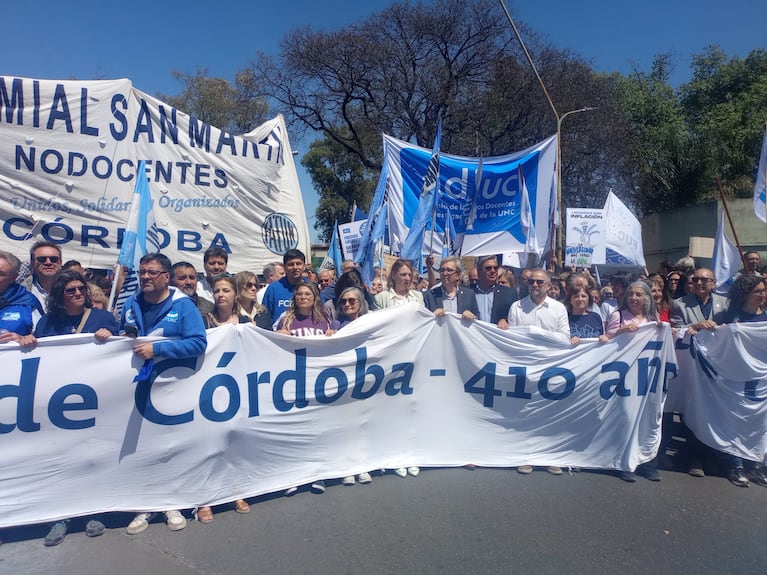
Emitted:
<point x="729" y="219"/>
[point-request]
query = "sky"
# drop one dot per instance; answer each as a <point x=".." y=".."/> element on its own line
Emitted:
<point x="145" y="40"/>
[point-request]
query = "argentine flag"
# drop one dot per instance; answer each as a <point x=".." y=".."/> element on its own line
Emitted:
<point x="141" y="236"/>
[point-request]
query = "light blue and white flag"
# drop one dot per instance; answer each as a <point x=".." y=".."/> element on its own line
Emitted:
<point x="427" y="204"/>
<point x="760" y="189"/>
<point x="726" y="260"/>
<point x="526" y="216"/>
<point x="334" y="258"/>
<point x="141" y="235"/>
<point x="497" y="225"/>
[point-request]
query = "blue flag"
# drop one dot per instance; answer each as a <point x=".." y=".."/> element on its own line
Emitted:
<point x="760" y="189"/>
<point x="140" y="236"/>
<point x="427" y="203"/>
<point x="364" y="255"/>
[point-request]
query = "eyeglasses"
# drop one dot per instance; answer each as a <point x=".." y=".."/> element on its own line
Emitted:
<point x="533" y="282"/>
<point x="447" y="271"/>
<point x="151" y="273"/>
<point x="73" y="290"/>
<point x="250" y="285"/>
<point x="490" y="268"/>
<point x="348" y="300"/>
<point x="760" y="291"/>
<point x="323" y="282"/>
<point x="43" y="259"/>
<point x="699" y="280"/>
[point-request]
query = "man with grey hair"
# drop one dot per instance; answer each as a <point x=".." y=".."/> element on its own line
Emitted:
<point x="17" y="303"/>
<point x="450" y="296"/>
<point x="493" y="300"/>
<point x="272" y="272"/>
<point x="46" y="259"/>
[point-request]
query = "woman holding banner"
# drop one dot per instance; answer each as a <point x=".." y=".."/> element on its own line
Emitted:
<point x="225" y="299"/>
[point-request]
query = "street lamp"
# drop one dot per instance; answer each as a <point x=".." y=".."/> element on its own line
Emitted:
<point x="560" y="251"/>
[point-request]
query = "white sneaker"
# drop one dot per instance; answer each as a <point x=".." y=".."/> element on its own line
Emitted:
<point x="402" y="471"/>
<point x="414" y="471"/>
<point x="290" y="491"/>
<point x="140" y="523"/>
<point x="318" y="486"/>
<point x="348" y="480"/>
<point x="364" y="477"/>
<point x="174" y="520"/>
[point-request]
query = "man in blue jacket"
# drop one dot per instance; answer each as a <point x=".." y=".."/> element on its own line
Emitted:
<point x="162" y="310"/>
<point x="16" y="302"/>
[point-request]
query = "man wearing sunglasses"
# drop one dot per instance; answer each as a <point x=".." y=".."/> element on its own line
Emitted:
<point x="701" y="309"/>
<point x="45" y="260"/>
<point x="493" y="300"/>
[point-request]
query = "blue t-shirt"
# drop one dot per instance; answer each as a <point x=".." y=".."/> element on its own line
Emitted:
<point x="586" y="326"/>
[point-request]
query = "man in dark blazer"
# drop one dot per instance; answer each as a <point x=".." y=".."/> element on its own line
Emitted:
<point x="450" y="295"/>
<point x="493" y="300"/>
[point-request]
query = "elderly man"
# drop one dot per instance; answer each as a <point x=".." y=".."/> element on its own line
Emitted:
<point x="450" y="296"/>
<point x="700" y="309"/>
<point x="272" y="272"/>
<point x="17" y="304"/>
<point x="184" y="277"/>
<point x="493" y="300"/>
<point x="161" y="310"/>
<point x="214" y="260"/>
<point x="45" y="259"/>
<point x="753" y="264"/>
<point x="540" y="310"/>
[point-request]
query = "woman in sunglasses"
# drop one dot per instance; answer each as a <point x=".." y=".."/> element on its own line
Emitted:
<point x="247" y="301"/>
<point x="70" y="310"/>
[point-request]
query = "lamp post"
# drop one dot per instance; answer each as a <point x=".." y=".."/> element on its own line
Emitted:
<point x="560" y="252"/>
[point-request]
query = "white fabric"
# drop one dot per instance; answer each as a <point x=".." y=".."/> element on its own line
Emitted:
<point x="550" y="316"/>
<point x="586" y="234"/>
<point x="249" y="418"/>
<point x="760" y="186"/>
<point x="726" y="260"/>
<point x="722" y="388"/>
<point x="68" y="156"/>
<point x="624" y="233"/>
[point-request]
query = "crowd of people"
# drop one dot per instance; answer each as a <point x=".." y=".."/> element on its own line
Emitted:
<point x="49" y="297"/>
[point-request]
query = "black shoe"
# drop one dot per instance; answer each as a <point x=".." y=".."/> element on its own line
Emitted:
<point x="758" y="476"/>
<point x="94" y="528"/>
<point x="737" y="477"/>
<point x="649" y="473"/>
<point x="56" y="534"/>
<point x="628" y="476"/>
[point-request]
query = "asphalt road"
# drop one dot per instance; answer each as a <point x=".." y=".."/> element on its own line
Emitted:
<point x="444" y="521"/>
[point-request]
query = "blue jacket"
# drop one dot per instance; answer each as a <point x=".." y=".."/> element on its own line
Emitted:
<point x="16" y="306"/>
<point x="178" y="319"/>
<point x="278" y="297"/>
<point x="51" y="324"/>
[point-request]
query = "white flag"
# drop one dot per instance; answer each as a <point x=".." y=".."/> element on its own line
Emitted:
<point x="726" y="260"/>
<point x="761" y="183"/>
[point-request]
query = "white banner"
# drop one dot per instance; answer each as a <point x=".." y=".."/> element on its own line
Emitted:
<point x="350" y="234"/>
<point x="624" y="234"/>
<point x="586" y="234"/>
<point x="68" y="157"/>
<point x="262" y="411"/>
<point x="722" y="388"/>
<point x="498" y="224"/>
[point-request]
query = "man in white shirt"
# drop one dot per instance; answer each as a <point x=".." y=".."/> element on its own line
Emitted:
<point x="540" y="310"/>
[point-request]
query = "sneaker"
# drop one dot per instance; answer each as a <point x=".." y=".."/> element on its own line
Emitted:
<point x="348" y="480"/>
<point x="401" y="471"/>
<point x="56" y="534"/>
<point x="318" y="487"/>
<point x="737" y="477"/>
<point x="94" y="528"/>
<point x="627" y="476"/>
<point x="139" y="523"/>
<point x="174" y="520"/>
<point x="414" y="471"/>
<point x="525" y="469"/>
<point x="696" y="469"/>
<point x="758" y="476"/>
<point x="364" y="477"/>
<point x="290" y="491"/>
<point x="554" y="470"/>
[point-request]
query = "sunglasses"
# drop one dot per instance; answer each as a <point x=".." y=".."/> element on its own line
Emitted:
<point x="43" y="259"/>
<point x="489" y="268"/>
<point x="348" y="300"/>
<point x="250" y="285"/>
<point x="73" y="290"/>
<point x="533" y="282"/>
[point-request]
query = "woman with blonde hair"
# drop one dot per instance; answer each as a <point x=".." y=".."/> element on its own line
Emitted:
<point x="247" y="300"/>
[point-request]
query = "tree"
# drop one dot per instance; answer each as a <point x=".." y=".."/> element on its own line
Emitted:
<point x="341" y="181"/>
<point x="237" y="109"/>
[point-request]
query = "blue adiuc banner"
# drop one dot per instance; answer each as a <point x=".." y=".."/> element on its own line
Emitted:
<point x="497" y="227"/>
